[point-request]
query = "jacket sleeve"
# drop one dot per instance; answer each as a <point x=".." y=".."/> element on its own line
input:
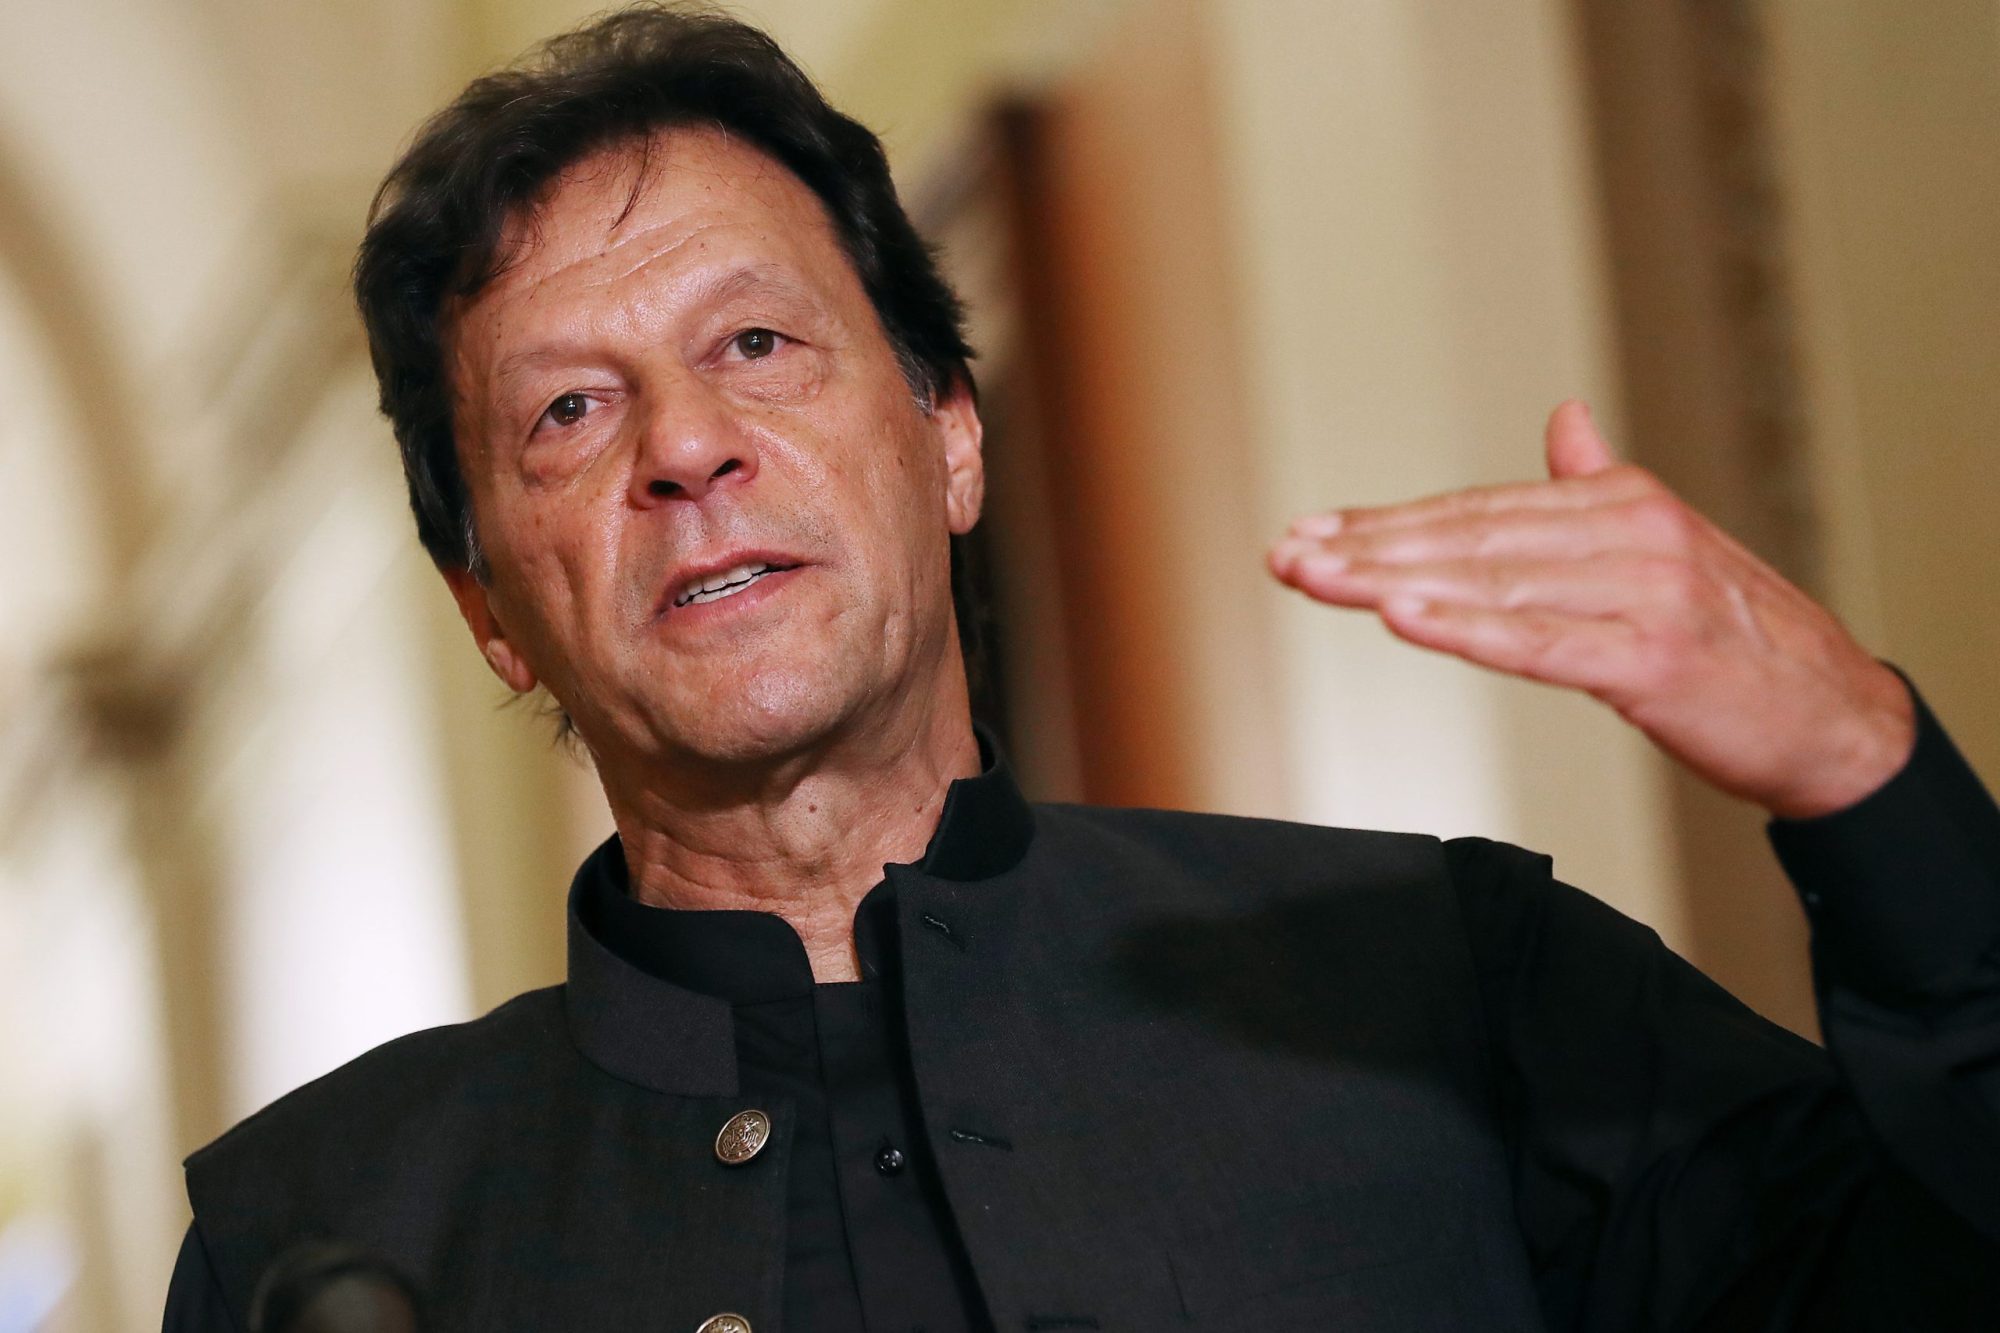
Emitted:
<point x="1903" y="892"/>
<point x="1681" y="1163"/>
<point x="195" y="1302"/>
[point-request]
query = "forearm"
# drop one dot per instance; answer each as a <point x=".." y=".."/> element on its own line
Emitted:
<point x="1903" y="892"/>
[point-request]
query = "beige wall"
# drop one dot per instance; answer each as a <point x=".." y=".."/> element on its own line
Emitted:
<point x="1416" y="244"/>
<point x="1890" y="116"/>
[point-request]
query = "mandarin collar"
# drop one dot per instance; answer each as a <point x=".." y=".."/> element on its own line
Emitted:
<point x="986" y="824"/>
<point x="650" y="989"/>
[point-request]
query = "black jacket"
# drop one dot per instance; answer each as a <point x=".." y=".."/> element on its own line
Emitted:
<point x="1193" y="1071"/>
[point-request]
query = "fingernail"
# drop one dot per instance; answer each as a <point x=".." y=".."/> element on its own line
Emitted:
<point x="1316" y="525"/>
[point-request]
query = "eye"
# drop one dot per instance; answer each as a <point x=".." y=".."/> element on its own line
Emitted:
<point x="566" y="410"/>
<point x="755" y="344"/>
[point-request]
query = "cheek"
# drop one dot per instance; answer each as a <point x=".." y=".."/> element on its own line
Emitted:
<point x="873" y="471"/>
<point x="913" y="552"/>
<point x="559" y="583"/>
<point x="902" y="464"/>
<point x="917" y="474"/>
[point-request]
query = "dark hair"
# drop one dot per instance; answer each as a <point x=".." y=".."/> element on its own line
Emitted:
<point x="435" y="228"/>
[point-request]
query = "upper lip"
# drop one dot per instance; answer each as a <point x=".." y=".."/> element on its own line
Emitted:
<point x="693" y="573"/>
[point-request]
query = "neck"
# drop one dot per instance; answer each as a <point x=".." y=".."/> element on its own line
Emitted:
<point x="808" y="838"/>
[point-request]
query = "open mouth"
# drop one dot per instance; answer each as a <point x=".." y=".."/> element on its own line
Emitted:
<point x="715" y="587"/>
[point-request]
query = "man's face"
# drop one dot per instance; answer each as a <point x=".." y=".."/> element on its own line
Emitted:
<point x="715" y="516"/>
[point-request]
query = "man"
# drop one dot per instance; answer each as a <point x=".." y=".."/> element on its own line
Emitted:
<point x="853" y="1038"/>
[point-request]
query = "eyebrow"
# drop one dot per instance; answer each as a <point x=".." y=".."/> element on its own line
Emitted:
<point x="702" y="291"/>
<point x="747" y="280"/>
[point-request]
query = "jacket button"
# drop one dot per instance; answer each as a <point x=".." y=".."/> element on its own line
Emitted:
<point x="889" y="1159"/>
<point x="724" y="1323"/>
<point x="743" y="1136"/>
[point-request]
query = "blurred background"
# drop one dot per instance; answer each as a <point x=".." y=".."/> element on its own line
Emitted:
<point x="261" y="806"/>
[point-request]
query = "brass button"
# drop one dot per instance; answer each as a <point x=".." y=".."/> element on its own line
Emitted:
<point x="725" y="1323"/>
<point x="743" y="1136"/>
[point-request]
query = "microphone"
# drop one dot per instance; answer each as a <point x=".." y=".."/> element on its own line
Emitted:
<point x="327" y="1288"/>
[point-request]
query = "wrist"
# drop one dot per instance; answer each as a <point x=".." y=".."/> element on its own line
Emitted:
<point x="1856" y="755"/>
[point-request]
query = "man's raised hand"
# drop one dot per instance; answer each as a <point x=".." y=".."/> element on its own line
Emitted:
<point x="1602" y="580"/>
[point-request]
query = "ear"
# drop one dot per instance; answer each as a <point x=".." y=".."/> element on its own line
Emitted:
<point x="957" y="419"/>
<point x="475" y="604"/>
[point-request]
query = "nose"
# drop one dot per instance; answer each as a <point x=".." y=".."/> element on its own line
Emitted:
<point x="687" y="448"/>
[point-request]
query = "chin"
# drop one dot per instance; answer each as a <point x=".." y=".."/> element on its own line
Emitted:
<point x="770" y="716"/>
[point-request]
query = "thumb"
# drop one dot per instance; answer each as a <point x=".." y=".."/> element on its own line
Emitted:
<point x="1575" y="449"/>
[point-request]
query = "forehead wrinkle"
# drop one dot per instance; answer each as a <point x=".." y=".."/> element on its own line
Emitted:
<point x="662" y="252"/>
<point x="655" y="169"/>
<point x="653" y="173"/>
<point x="698" y="289"/>
<point x="698" y="284"/>
<point x="523" y="273"/>
<point x="531" y="282"/>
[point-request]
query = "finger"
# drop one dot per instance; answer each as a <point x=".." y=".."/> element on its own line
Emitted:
<point x="1561" y="495"/>
<point x="1573" y="445"/>
<point x="1611" y="585"/>
<point x="1598" y="655"/>
<point x="1534" y="533"/>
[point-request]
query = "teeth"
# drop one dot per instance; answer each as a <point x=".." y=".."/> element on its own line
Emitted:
<point x="718" y="586"/>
